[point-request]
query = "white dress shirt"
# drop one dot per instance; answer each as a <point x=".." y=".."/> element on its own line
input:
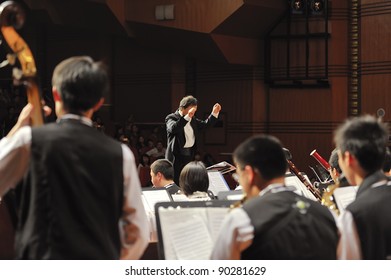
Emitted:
<point x="237" y="232"/>
<point x="15" y="153"/>
<point x="189" y="132"/>
<point x="349" y="247"/>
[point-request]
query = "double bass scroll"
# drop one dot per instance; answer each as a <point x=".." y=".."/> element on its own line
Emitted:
<point x="12" y="16"/>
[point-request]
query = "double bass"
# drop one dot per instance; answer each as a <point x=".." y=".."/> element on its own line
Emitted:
<point x="12" y="17"/>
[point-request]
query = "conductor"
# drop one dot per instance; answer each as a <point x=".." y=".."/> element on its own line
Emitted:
<point x="183" y="130"/>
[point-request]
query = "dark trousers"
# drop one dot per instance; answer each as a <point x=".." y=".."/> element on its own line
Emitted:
<point x="180" y="162"/>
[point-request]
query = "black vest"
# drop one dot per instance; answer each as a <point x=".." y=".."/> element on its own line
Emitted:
<point x="290" y="227"/>
<point x="372" y="215"/>
<point x="72" y="197"/>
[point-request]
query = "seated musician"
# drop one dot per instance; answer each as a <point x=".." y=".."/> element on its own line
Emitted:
<point x="162" y="175"/>
<point x="194" y="182"/>
<point x="274" y="222"/>
<point x="335" y="171"/>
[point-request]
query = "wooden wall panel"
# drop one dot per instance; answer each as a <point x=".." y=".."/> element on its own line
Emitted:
<point x="142" y="81"/>
<point x="375" y="57"/>
<point x="196" y="15"/>
<point x="305" y="118"/>
<point x="300" y="105"/>
<point x="148" y="83"/>
<point x="233" y="87"/>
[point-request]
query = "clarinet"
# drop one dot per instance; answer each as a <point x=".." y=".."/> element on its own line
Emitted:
<point x="304" y="180"/>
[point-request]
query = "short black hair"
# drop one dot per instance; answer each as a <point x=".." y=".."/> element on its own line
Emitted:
<point x="333" y="161"/>
<point x="188" y="101"/>
<point x="263" y="152"/>
<point x="81" y="83"/>
<point x="194" y="177"/>
<point x="366" y="138"/>
<point x="387" y="161"/>
<point x="163" y="166"/>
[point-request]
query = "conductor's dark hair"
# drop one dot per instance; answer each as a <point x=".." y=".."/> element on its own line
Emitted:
<point x="188" y="101"/>
<point x="163" y="166"/>
<point x="264" y="153"/>
<point x="194" y="177"/>
<point x="81" y="83"/>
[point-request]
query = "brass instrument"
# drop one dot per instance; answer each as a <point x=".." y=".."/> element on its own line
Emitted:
<point x="328" y="198"/>
<point x="304" y="180"/>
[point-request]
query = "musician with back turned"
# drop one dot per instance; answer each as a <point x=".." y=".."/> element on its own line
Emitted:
<point x="365" y="226"/>
<point x="80" y="186"/>
<point x="274" y="222"/>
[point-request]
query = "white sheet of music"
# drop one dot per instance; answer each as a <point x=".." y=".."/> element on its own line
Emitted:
<point x="155" y="196"/>
<point x="344" y="196"/>
<point x="149" y="199"/>
<point x="301" y="189"/>
<point x="217" y="182"/>
<point x="189" y="233"/>
<point x="171" y="219"/>
<point x="197" y="246"/>
<point x="215" y="219"/>
<point x="146" y="204"/>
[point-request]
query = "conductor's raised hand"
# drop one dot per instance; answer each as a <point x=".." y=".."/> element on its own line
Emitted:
<point x="216" y="109"/>
<point x="192" y="111"/>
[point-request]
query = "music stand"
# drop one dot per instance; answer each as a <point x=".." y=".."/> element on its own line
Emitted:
<point x="179" y="219"/>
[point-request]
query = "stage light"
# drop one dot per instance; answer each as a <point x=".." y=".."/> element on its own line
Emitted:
<point x="298" y="6"/>
<point x="317" y="7"/>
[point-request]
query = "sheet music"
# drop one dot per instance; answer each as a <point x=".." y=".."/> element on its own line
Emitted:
<point x="301" y="189"/>
<point x="155" y="196"/>
<point x="198" y="246"/>
<point x="344" y="196"/>
<point x="149" y="199"/>
<point x="215" y="219"/>
<point x="171" y="218"/>
<point x="147" y="208"/>
<point x="217" y="182"/>
<point x="189" y="233"/>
